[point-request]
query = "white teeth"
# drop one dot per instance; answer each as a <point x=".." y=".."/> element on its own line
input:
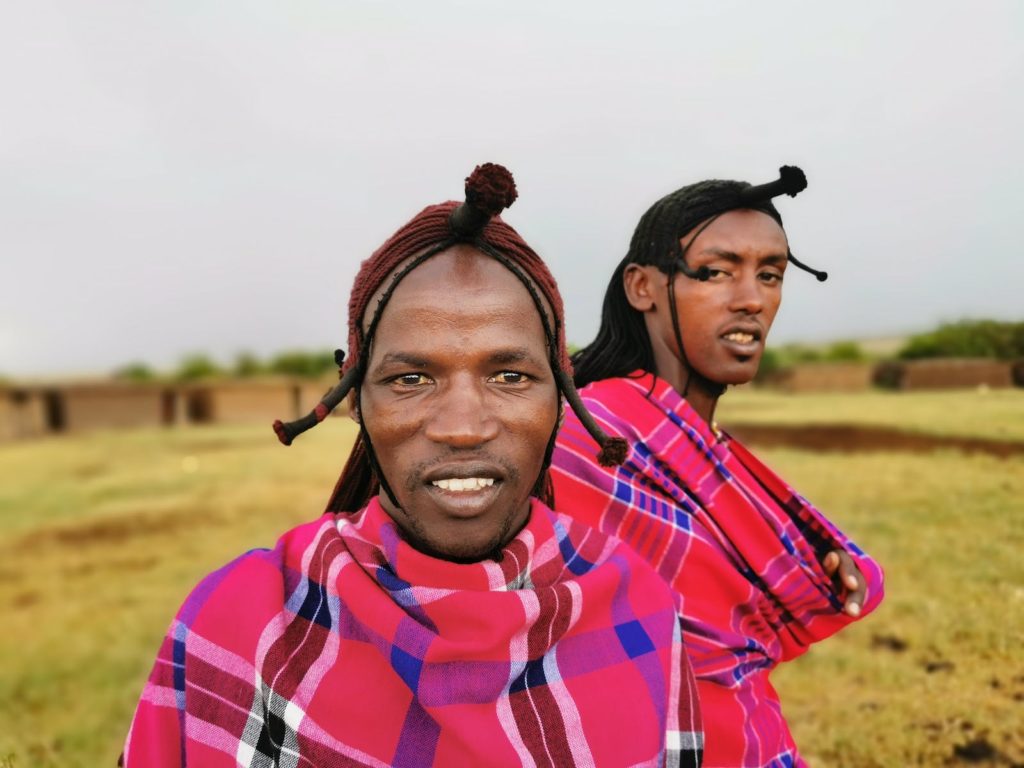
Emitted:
<point x="741" y="338"/>
<point x="459" y="484"/>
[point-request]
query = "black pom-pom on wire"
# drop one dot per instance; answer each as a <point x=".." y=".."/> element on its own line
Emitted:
<point x="791" y="181"/>
<point x="613" y="452"/>
<point x="490" y="189"/>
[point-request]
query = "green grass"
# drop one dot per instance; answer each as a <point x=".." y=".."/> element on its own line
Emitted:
<point x="102" y="536"/>
<point x="948" y="531"/>
<point x="997" y="414"/>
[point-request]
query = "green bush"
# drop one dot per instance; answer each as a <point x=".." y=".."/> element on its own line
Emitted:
<point x="968" y="338"/>
<point x="298" y="363"/>
<point x="246" y="365"/>
<point x="134" y="372"/>
<point x="197" y="366"/>
<point x="844" y="351"/>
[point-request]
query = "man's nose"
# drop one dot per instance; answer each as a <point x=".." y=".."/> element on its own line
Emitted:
<point x="747" y="296"/>
<point x="460" y="415"/>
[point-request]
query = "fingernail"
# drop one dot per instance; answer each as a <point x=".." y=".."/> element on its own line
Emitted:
<point x="853" y="609"/>
<point x="851" y="582"/>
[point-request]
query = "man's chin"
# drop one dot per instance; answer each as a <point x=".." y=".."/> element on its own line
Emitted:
<point x="736" y="372"/>
<point x="460" y="541"/>
<point x="461" y="551"/>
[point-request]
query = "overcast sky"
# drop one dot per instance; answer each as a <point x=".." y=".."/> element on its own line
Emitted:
<point x="198" y="176"/>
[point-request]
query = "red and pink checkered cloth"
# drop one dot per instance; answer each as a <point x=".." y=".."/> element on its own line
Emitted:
<point x="739" y="546"/>
<point x="343" y="646"/>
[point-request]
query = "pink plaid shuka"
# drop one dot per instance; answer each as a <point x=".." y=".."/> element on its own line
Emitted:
<point x="739" y="546"/>
<point x="343" y="646"/>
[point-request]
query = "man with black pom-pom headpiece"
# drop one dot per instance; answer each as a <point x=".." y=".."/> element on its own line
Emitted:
<point x="760" y="573"/>
<point x="439" y="613"/>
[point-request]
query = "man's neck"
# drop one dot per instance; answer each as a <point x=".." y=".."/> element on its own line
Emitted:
<point x="700" y="393"/>
<point x="702" y="401"/>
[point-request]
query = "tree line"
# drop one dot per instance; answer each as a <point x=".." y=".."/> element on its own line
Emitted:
<point x="965" y="338"/>
<point x="311" y="364"/>
<point x="992" y="339"/>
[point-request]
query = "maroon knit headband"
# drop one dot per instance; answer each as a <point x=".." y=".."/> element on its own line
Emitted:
<point x="487" y="187"/>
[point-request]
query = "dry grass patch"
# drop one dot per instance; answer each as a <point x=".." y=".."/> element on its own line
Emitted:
<point x="101" y="538"/>
<point x="995" y="414"/>
<point x="935" y="676"/>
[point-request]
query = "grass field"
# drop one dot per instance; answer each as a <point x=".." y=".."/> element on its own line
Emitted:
<point x="102" y="536"/>
<point x="997" y="414"/>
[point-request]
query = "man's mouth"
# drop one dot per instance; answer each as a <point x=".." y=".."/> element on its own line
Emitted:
<point x="463" y="484"/>
<point x="465" y="488"/>
<point x="743" y="340"/>
<point x="739" y="337"/>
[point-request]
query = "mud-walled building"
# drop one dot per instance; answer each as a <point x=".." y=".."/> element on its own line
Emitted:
<point x="823" y="377"/>
<point x="33" y="410"/>
<point x="947" y="373"/>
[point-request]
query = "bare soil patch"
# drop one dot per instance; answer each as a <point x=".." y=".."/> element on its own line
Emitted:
<point x="849" y="438"/>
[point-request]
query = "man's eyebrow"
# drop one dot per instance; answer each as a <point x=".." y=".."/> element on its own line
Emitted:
<point x="735" y="258"/>
<point x="409" y="359"/>
<point x="506" y="356"/>
<point x="513" y="355"/>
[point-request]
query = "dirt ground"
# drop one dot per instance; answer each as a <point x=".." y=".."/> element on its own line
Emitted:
<point x="849" y="438"/>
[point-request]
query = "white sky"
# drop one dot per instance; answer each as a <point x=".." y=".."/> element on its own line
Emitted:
<point x="197" y="176"/>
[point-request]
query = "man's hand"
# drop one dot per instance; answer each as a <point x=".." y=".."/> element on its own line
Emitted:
<point x="840" y="566"/>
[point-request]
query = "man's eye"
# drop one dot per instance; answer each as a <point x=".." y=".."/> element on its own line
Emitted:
<point x="771" y="277"/>
<point x="716" y="274"/>
<point x="410" y="379"/>
<point x="509" y="377"/>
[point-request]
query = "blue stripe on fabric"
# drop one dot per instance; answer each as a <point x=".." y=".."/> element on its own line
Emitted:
<point x="787" y="543"/>
<point x="315" y="608"/>
<point x="574" y="561"/>
<point x="178" y="661"/>
<point x="531" y="676"/>
<point x="623" y="491"/>
<point x="634" y="638"/>
<point x="407" y="666"/>
<point x="682" y="520"/>
<point x="390" y="580"/>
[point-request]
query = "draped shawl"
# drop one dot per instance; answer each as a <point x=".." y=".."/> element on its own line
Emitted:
<point x="344" y="646"/>
<point x="741" y="548"/>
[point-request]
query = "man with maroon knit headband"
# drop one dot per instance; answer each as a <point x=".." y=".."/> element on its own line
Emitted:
<point x="439" y="613"/>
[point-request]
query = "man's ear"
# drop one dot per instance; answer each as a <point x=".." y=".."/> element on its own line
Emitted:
<point x="353" y="406"/>
<point x="641" y="283"/>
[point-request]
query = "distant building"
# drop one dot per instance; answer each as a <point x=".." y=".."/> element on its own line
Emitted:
<point x="112" y="405"/>
<point x="241" y="401"/>
<point x="32" y="410"/>
<point x="23" y="413"/>
<point x="823" y="377"/>
<point x="949" y="373"/>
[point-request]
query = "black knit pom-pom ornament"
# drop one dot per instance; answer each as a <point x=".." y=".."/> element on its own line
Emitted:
<point x="490" y="189"/>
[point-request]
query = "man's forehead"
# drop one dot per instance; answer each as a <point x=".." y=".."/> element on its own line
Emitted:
<point x="748" y="224"/>
<point x="441" y="279"/>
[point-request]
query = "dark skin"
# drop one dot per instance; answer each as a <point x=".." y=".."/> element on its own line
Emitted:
<point x="459" y="401"/>
<point x="724" y="323"/>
